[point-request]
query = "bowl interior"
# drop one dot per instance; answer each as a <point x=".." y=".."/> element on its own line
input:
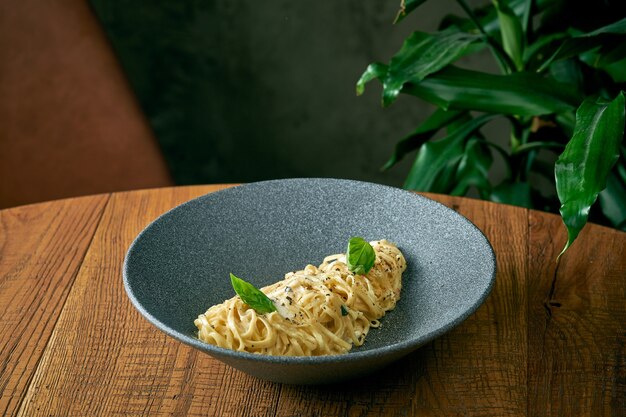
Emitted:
<point x="179" y="265"/>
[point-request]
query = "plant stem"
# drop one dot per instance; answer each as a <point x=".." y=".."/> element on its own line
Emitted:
<point x="522" y="153"/>
<point x="517" y="137"/>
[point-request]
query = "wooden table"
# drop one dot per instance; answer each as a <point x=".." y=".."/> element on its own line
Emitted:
<point x="550" y="339"/>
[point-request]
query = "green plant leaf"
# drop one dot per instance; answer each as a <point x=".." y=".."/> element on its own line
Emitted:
<point x="610" y="57"/>
<point x="617" y="71"/>
<point x="253" y="297"/>
<point x="406" y="7"/>
<point x="512" y="33"/>
<point x="566" y="121"/>
<point x="504" y="61"/>
<point x="610" y="54"/>
<point x="568" y="71"/>
<point x="522" y="94"/>
<point x="439" y="119"/>
<point x="543" y="47"/>
<point x="621" y="167"/>
<point x="473" y="169"/>
<point x="586" y="41"/>
<point x="436" y="162"/>
<point x="538" y="144"/>
<point x="360" y="256"/>
<point x="375" y="70"/>
<point x="423" y="54"/>
<point x="514" y="193"/>
<point x="613" y="201"/>
<point x="526" y="17"/>
<point x="618" y="27"/>
<point x="488" y="16"/>
<point x="582" y="169"/>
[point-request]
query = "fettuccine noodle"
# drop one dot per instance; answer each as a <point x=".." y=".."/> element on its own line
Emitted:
<point x="321" y="310"/>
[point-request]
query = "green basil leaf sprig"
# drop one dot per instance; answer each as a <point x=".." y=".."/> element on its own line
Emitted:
<point x="360" y="256"/>
<point x="252" y="296"/>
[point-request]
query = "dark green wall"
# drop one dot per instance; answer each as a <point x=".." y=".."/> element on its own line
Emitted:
<point x="244" y="90"/>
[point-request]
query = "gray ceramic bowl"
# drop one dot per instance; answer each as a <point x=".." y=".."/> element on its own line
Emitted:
<point x="179" y="265"/>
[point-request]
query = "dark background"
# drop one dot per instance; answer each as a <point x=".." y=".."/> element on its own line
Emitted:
<point x="238" y="90"/>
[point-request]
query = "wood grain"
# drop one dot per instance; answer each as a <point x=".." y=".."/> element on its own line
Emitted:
<point x="479" y="368"/>
<point x="41" y="248"/>
<point x="549" y="341"/>
<point x="103" y="358"/>
<point x="577" y="363"/>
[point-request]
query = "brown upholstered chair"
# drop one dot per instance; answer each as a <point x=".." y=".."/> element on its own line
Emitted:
<point x="69" y="124"/>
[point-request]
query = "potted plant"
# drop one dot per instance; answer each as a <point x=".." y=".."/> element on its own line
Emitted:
<point x="562" y="71"/>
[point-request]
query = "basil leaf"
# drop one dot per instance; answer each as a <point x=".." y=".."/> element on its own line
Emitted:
<point x="344" y="310"/>
<point x="360" y="256"/>
<point x="252" y="296"/>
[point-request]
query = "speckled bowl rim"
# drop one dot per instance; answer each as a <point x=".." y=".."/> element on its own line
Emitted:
<point x="351" y="356"/>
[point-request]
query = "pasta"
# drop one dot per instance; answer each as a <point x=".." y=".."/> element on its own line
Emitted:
<point x="320" y="310"/>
